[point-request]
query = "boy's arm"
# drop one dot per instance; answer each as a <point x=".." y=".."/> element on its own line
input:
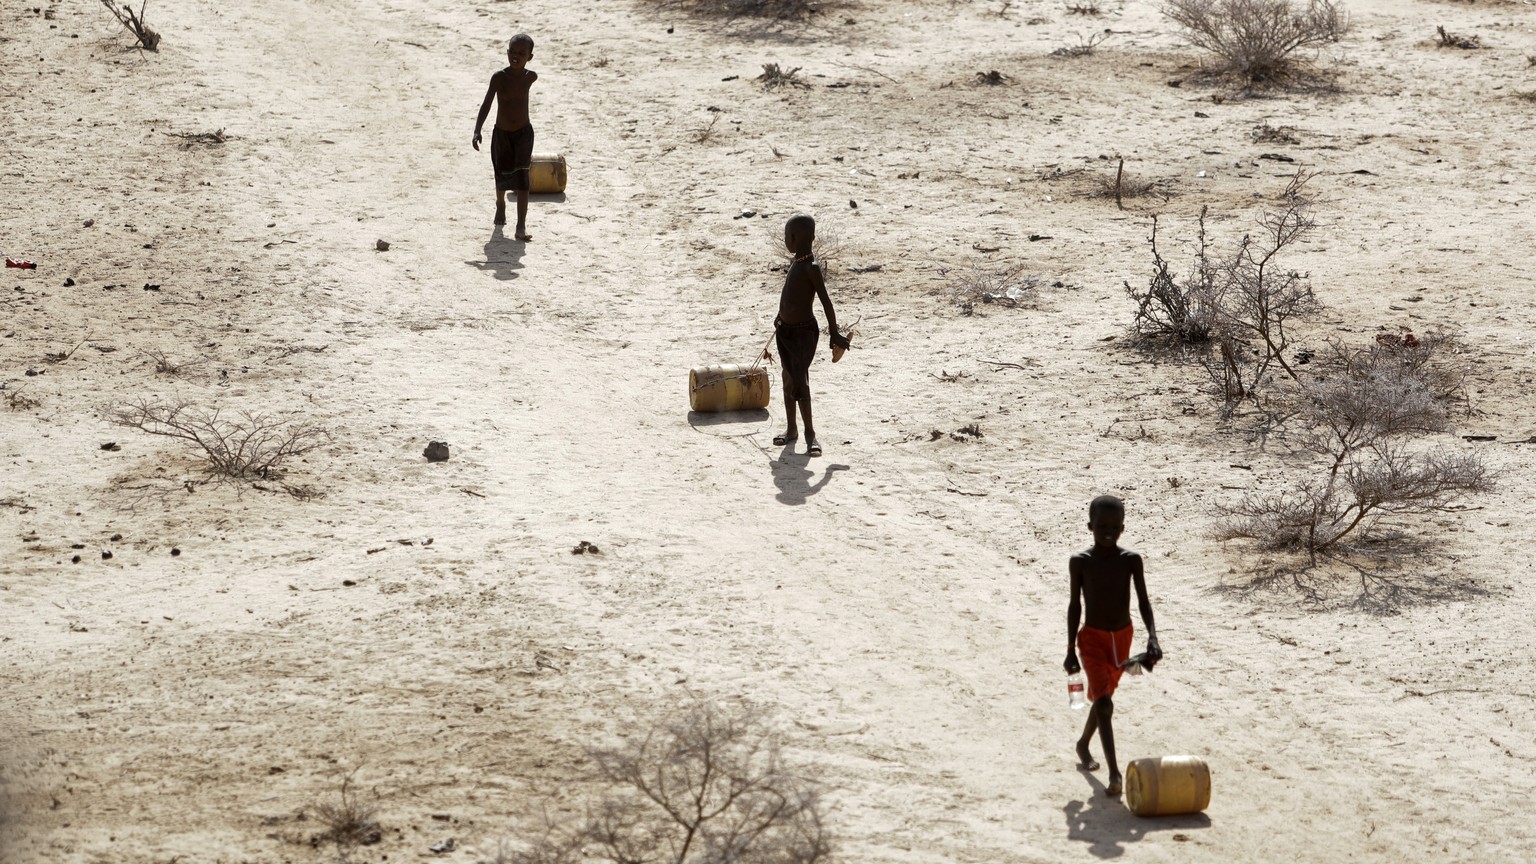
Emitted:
<point x="1139" y="579"/>
<point x="820" y="284"/>
<point x="1074" y="615"/>
<point x="485" y="110"/>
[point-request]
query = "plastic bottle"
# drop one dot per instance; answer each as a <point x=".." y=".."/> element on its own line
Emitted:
<point x="1077" y="688"/>
<point x="1135" y="665"/>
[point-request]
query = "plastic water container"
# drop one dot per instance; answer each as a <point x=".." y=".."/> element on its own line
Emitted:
<point x="1168" y="786"/>
<point x="1077" y="691"/>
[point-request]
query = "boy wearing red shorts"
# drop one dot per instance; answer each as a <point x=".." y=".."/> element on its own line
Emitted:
<point x="1101" y="585"/>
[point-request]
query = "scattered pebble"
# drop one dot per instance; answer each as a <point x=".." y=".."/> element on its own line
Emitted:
<point x="75" y="560"/>
<point x="585" y="548"/>
<point x="89" y="222"/>
<point x="437" y="451"/>
<point x="175" y="552"/>
<point x="69" y="282"/>
<point x="381" y="245"/>
<point x="112" y="446"/>
<point x="447" y="845"/>
<point x="116" y="537"/>
<point x="106" y="554"/>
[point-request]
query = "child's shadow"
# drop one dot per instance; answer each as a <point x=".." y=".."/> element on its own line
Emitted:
<point x="792" y="474"/>
<point x="1106" y="824"/>
<point x="503" y="256"/>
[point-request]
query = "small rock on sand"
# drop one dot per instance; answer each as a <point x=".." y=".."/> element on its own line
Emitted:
<point x="437" y="451"/>
<point x="381" y="245"/>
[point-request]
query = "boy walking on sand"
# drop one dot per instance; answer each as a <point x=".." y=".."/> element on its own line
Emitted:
<point x="796" y="332"/>
<point x="512" y="136"/>
<point x="1101" y="579"/>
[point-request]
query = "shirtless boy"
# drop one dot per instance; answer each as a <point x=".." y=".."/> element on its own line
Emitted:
<point x="1102" y="578"/>
<point x="512" y="136"/>
<point x="795" y="329"/>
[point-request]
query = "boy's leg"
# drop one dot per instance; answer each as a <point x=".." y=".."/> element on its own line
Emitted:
<point x="501" y="208"/>
<point x="811" y="447"/>
<point x="1104" y="707"/>
<point x="791" y="431"/>
<point x="1085" y="758"/>
<point x="522" y="215"/>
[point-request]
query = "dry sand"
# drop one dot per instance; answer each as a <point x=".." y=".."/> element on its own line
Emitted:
<point x="900" y="601"/>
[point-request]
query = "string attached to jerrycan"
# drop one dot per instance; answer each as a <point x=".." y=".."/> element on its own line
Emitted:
<point x="730" y="387"/>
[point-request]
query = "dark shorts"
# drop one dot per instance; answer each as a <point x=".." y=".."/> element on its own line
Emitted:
<point x="797" y="348"/>
<point x="511" y="154"/>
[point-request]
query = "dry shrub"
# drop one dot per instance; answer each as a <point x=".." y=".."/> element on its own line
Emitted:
<point x="1258" y="39"/>
<point x="245" y="446"/>
<point x="770" y="9"/>
<point x="705" y="785"/>
<point x="349" y="821"/>
<point x="773" y="77"/>
<point x="1362" y="415"/>
<point x="1090" y="8"/>
<point x="148" y="39"/>
<point x="1084" y="47"/>
<point x="1457" y="40"/>
<point x="1180" y="310"/>
<point x="18" y="400"/>
<point x="1240" y="303"/>
<point x="986" y="282"/>
<point x="1122" y="185"/>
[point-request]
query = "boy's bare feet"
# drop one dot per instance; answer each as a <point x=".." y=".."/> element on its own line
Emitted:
<point x="785" y="439"/>
<point x="1113" y="789"/>
<point x="521" y="233"/>
<point x="1084" y="758"/>
<point x="501" y="216"/>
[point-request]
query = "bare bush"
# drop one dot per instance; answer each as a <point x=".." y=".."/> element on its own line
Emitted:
<point x="1085" y="46"/>
<point x="18" y="400"/>
<point x="1090" y="8"/>
<point x="148" y="39"/>
<point x="166" y="365"/>
<point x="773" y="76"/>
<point x="1361" y="416"/>
<point x="985" y="282"/>
<point x="1240" y="303"/>
<point x="244" y="446"/>
<point x="1258" y="39"/>
<point x="1177" y="309"/>
<point x="1123" y="184"/>
<point x="770" y="9"/>
<point x="1457" y="40"/>
<point x="348" y="821"/>
<point x="706" y="785"/>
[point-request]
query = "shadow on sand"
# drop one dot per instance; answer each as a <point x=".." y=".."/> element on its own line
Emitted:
<point x="503" y="256"/>
<point x="793" y="475"/>
<point x="1108" y="826"/>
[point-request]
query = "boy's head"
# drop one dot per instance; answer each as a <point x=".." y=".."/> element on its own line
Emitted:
<point x="1106" y="519"/>
<point x="519" y="50"/>
<point x="799" y="233"/>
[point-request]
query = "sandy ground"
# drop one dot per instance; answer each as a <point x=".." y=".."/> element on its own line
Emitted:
<point x="900" y="602"/>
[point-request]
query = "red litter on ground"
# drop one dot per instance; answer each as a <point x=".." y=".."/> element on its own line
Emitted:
<point x="20" y="262"/>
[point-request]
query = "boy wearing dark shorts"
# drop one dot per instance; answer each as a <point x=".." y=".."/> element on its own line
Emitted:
<point x="796" y="332"/>
<point x="1101" y="580"/>
<point x="512" y="136"/>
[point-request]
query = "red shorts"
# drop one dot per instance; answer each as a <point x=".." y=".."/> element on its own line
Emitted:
<point x="1101" y="652"/>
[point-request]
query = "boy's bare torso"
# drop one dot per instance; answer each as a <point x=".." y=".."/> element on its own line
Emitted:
<point x="799" y="290"/>
<point x="1106" y="580"/>
<point x="511" y="88"/>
